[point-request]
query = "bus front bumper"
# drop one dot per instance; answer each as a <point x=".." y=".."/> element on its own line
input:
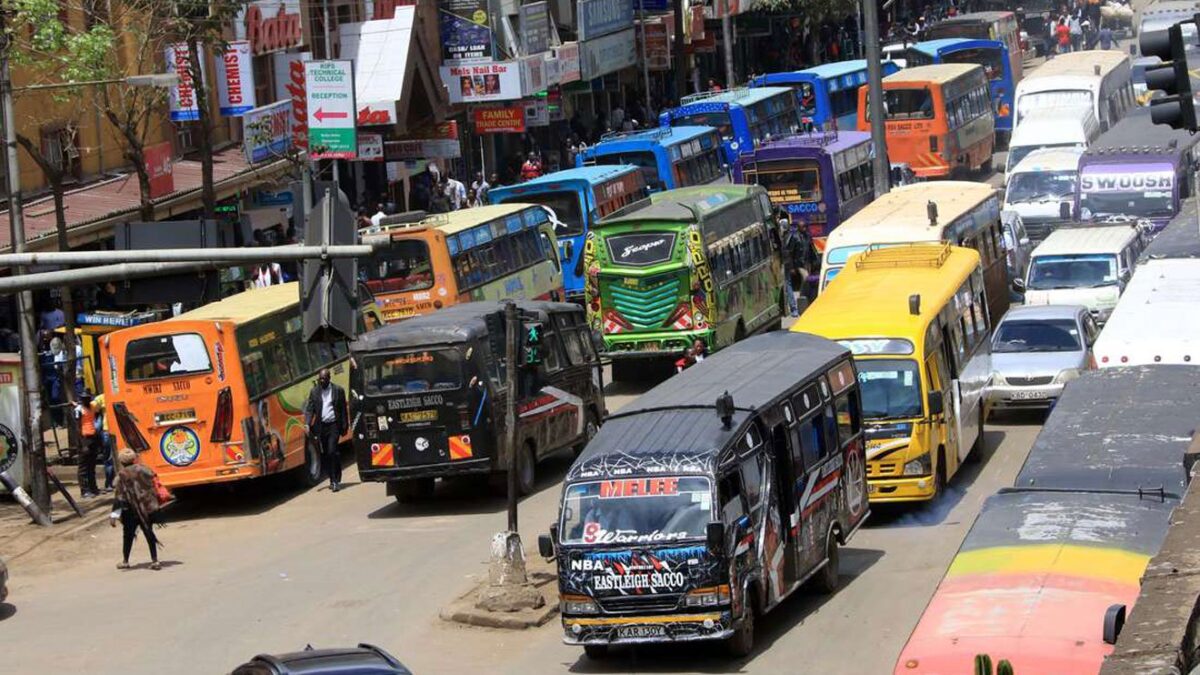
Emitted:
<point x="918" y="489"/>
<point x="676" y="627"/>
<point x="658" y="345"/>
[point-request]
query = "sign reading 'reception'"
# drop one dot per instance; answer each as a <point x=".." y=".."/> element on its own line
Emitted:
<point x="330" y="109"/>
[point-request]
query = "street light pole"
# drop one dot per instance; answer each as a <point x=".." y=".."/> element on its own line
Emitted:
<point x="645" y="60"/>
<point x="31" y="424"/>
<point x="727" y="38"/>
<point x="875" y="97"/>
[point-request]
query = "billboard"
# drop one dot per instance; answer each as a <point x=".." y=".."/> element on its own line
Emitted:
<point x="235" y="80"/>
<point x="465" y="30"/>
<point x="506" y="120"/>
<point x="267" y="131"/>
<point x="477" y="82"/>
<point x="601" y="17"/>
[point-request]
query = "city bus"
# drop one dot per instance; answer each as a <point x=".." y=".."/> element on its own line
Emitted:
<point x="669" y="157"/>
<point x="826" y="94"/>
<point x="819" y="179"/>
<point x="1099" y="78"/>
<point x="698" y="263"/>
<point x="743" y="117"/>
<point x="577" y="196"/>
<point x="1000" y="26"/>
<point x="959" y="213"/>
<point x="916" y="319"/>
<point x="991" y="54"/>
<point x="1052" y="565"/>
<point x="939" y="119"/>
<point x="712" y="498"/>
<point x="217" y="394"/>
<point x="483" y="253"/>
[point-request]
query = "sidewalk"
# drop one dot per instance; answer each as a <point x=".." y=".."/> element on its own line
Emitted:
<point x="19" y="536"/>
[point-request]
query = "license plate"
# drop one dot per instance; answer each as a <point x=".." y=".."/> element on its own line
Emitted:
<point x="640" y="631"/>
<point x="402" y="313"/>
<point x="1027" y="395"/>
<point x="650" y="346"/>
<point x="174" y="416"/>
<point x="418" y="416"/>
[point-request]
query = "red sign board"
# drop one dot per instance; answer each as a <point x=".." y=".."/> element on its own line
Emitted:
<point x="500" y="120"/>
<point x="159" y="165"/>
<point x="272" y="34"/>
<point x="299" y="92"/>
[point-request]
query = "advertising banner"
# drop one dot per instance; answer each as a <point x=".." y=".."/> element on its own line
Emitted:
<point x="533" y="74"/>
<point x="183" y="95"/>
<point x="421" y="148"/>
<point x="658" y="47"/>
<point x="10" y="418"/>
<point x="608" y="54"/>
<point x="535" y="27"/>
<point x="567" y="56"/>
<point x="235" y="80"/>
<point x="270" y="25"/>
<point x="601" y="17"/>
<point x="507" y="120"/>
<point x="331" y="111"/>
<point x="160" y="165"/>
<point x="289" y="85"/>
<point x="477" y="82"/>
<point x="267" y="131"/>
<point x="537" y="112"/>
<point x="465" y="30"/>
<point x="370" y="147"/>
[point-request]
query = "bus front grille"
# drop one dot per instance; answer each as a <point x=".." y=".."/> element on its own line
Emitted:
<point x="648" y="305"/>
<point x="640" y="603"/>
<point x="1029" y="381"/>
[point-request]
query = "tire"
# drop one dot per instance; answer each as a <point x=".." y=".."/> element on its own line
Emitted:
<point x="596" y="652"/>
<point x="742" y="643"/>
<point x="312" y="471"/>
<point x="526" y="469"/>
<point x="590" y="428"/>
<point x="939" y="475"/>
<point x="986" y="168"/>
<point x="826" y="581"/>
<point x="414" y="490"/>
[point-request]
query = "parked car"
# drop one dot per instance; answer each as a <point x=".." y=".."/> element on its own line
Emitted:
<point x="1036" y="351"/>
<point x="364" y="659"/>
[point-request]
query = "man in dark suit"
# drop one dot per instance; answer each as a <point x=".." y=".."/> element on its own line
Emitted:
<point x="326" y="415"/>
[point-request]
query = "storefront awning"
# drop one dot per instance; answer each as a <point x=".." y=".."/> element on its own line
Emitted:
<point x="389" y="65"/>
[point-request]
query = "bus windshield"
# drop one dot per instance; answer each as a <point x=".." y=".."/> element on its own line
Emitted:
<point x="565" y="205"/>
<point x="644" y="160"/>
<point x="412" y="372"/>
<point x="1036" y="186"/>
<point x="789" y="180"/>
<point x="1059" y="335"/>
<point x="1049" y="272"/>
<point x="1019" y="152"/>
<point x="636" y="510"/>
<point x="404" y="266"/>
<point x="891" y="388"/>
<point x="992" y="60"/>
<point x="166" y="356"/>
<point x="1061" y="98"/>
<point x="720" y="120"/>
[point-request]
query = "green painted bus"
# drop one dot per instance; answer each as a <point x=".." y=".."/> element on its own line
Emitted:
<point x="698" y="263"/>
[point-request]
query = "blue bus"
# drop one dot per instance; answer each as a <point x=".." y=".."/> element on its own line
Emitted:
<point x="827" y="95"/>
<point x="578" y="197"/>
<point x="669" y="157"/>
<point x="991" y="54"/>
<point x="743" y="117"/>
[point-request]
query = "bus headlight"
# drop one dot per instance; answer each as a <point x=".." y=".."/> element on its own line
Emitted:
<point x="707" y="597"/>
<point x="921" y="466"/>
<point x="1066" y="376"/>
<point x="578" y="604"/>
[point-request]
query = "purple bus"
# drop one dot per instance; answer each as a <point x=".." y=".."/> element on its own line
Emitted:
<point x="819" y="179"/>
<point x="1136" y="171"/>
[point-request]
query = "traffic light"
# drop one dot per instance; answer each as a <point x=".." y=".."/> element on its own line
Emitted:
<point x="531" y="344"/>
<point x="1176" y="109"/>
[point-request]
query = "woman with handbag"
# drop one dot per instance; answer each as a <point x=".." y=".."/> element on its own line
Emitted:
<point x="139" y="497"/>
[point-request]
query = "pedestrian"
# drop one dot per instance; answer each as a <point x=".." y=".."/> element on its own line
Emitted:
<point x="792" y="259"/>
<point x="1063" y="35"/>
<point x="1107" y="39"/>
<point x="712" y="85"/>
<point x="325" y="414"/>
<point x="380" y="214"/>
<point x="531" y="168"/>
<point x="438" y="203"/>
<point x="1076" y="29"/>
<point x="136" y="505"/>
<point x="89" y="448"/>
<point x="106" y="442"/>
<point x="266" y="274"/>
<point x="364" y="220"/>
<point x="481" y="187"/>
<point x="52" y="318"/>
<point x="456" y="192"/>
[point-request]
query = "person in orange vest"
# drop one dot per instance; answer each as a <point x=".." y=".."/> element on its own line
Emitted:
<point x="90" y="446"/>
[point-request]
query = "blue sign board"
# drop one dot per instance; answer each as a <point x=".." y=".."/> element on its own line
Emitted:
<point x="601" y="17"/>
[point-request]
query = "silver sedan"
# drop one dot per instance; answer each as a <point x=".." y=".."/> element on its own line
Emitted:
<point x="1036" y="351"/>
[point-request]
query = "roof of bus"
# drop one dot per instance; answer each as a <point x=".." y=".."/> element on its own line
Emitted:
<point x="869" y="285"/>
<point x="1049" y="159"/>
<point x="592" y="174"/>
<point x="931" y="47"/>
<point x="463" y="219"/>
<point x="1086" y="240"/>
<point x="1079" y="63"/>
<point x="450" y="325"/>
<point x="659" y="135"/>
<point x="902" y="214"/>
<point x="830" y="141"/>
<point x="938" y="73"/>
<point x="1136" y="133"/>
<point x="835" y="69"/>
<point x="1163" y="294"/>
<point x="973" y="17"/>
<point x="746" y="96"/>
<point x="247" y="305"/>
<point x="677" y="419"/>
<point x="668" y="204"/>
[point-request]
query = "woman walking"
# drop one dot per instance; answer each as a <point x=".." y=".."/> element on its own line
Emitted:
<point x="135" y="505"/>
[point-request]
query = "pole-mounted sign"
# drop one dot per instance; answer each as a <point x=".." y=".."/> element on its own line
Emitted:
<point x="331" y="109"/>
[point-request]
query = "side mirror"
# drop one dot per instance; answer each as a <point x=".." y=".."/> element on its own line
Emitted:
<point x="936" y="405"/>
<point x="546" y="545"/>
<point x="1024" y="241"/>
<point x="1114" y="621"/>
<point x="714" y="536"/>
<point x="1018" y="285"/>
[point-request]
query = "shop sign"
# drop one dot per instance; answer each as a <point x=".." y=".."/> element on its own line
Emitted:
<point x="697" y="23"/>
<point x="465" y="31"/>
<point x="386" y="9"/>
<point x="506" y="120"/>
<point x="607" y="54"/>
<point x="537" y="112"/>
<point x="601" y="17"/>
<point x="265" y="197"/>
<point x="370" y="147"/>
<point x="567" y="55"/>
<point x="422" y="148"/>
<point x="476" y="82"/>
<point x="11" y="460"/>
<point x="533" y="74"/>
<point x="658" y="47"/>
<point x="379" y="113"/>
<point x="289" y="83"/>
<point x="183" y="95"/>
<point x="235" y="80"/>
<point x="267" y="131"/>
<point x="535" y="27"/>
<point x="161" y="169"/>
<point x="331" y="110"/>
<point x="553" y="76"/>
<point x="554" y="105"/>
<point x="270" y="26"/>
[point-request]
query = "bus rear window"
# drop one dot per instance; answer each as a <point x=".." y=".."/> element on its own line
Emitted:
<point x="403" y="266"/>
<point x="412" y="372"/>
<point x="657" y="510"/>
<point x="644" y="160"/>
<point x="720" y="120"/>
<point x="906" y="104"/>
<point x="990" y="59"/>
<point x="166" y="356"/>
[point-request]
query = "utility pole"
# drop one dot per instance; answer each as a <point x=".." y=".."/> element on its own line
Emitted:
<point x="645" y="60"/>
<point x="882" y="167"/>
<point x="31" y="426"/>
<point x="511" y="320"/>
<point x="727" y="38"/>
<point x="329" y="55"/>
<point x="680" y="58"/>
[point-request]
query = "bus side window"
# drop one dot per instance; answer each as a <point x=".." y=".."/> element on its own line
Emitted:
<point x="548" y="251"/>
<point x="809" y="452"/>
<point x="733" y="505"/>
<point x="552" y="349"/>
<point x="752" y="479"/>
<point x="830" y="426"/>
<point x="848" y="420"/>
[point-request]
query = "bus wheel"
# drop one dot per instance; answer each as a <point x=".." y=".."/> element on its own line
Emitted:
<point x="590" y="427"/>
<point x="939" y="475"/>
<point x="312" y="471"/>
<point x="414" y="490"/>
<point x="526" y="469"/>
<point x="826" y="581"/>
<point x="742" y="642"/>
<point x="596" y="652"/>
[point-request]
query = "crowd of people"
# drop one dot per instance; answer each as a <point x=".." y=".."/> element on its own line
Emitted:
<point x="1081" y="26"/>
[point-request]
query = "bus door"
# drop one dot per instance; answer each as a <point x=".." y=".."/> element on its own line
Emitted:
<point x="951" y="386"/>
<point x="785" y="487"/>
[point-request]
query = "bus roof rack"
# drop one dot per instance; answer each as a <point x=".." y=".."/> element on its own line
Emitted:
<point x="916" y="254"/>
<point x="397" y="221"/>
<point x="702" y="95"/>
<point x="656" y="132"/>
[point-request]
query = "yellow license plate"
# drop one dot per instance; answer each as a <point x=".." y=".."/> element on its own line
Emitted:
<point x="174" y="416"/>
<point x="402" y="313"/>
<point x="419" y="416"/>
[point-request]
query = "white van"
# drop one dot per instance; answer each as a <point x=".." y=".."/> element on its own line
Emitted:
<point x="1040" y="185"/>
<point x="1073" y="127"/>
<point x="1100" y="78"/>
<point x="1086" y="266"/>
<point x="1158" y="318"/>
